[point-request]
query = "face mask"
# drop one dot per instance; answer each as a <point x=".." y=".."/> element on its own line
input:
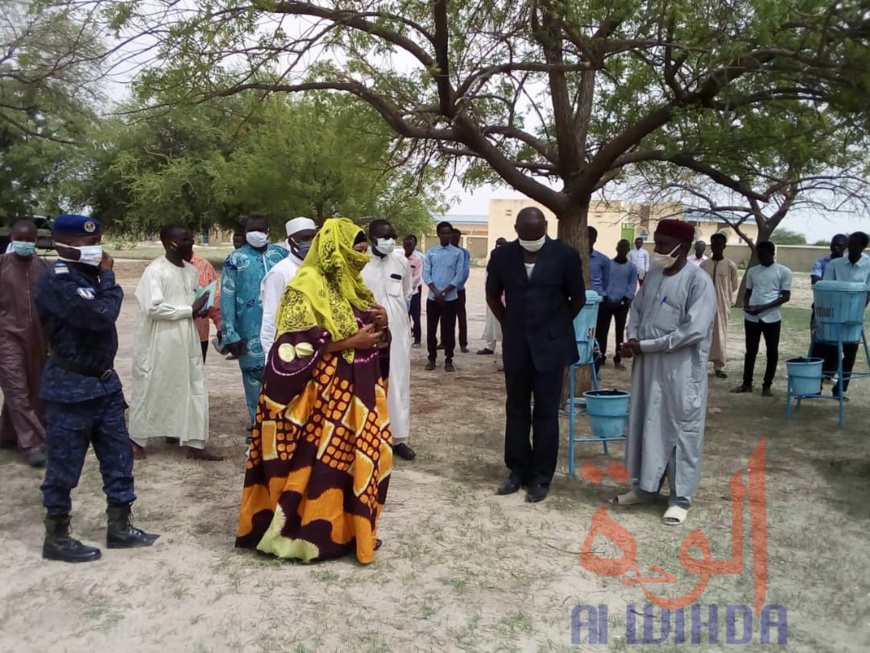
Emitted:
<point x="300" y="249"/>
<point x="257" y="239"/>
<point x="385" y="245"/>
<point x="23" y="248"/>
<point x="186" y="253"/>
<point x="533" y="245"/>
<point x="90" y="254"/>
<point x="665" y="260"/>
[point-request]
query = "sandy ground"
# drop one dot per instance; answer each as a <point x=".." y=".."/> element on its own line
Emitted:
<point x="461" y="569"/>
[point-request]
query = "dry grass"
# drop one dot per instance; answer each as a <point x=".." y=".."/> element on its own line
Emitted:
<point x="461" y="569"/>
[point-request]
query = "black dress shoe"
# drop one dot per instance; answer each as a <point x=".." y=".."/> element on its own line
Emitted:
<point x="512" y="484"/>
<point x="537" y="493"/>
<point x="404" y="452"/>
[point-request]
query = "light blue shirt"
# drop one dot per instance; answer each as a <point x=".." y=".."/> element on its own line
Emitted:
<point x="623" y="281"/>
<point x="820" y="265"/>
<point x="466" y="269"/>
<point x="842" y="269"/>
<point x="241" y="305"/>
<point x="443" y="267"/>
<point x="767" y="285"/>
<point x="599" y="272"/>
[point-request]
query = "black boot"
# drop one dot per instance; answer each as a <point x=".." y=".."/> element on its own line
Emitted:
<point x="121" y="534"/>
<point x="59" y="545"/>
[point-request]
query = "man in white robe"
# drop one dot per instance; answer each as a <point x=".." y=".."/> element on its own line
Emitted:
<point x="169" y="394"/>
<point x="491" y="328"/>
<point x="300" y="233"/>
<point x="388" y="276"/>
<point x="669" y="335"/>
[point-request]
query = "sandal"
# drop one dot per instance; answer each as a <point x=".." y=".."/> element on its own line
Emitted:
<point x="675" y="516"/>
<point x="720" y="374"/>
<point x="627" y="499"/>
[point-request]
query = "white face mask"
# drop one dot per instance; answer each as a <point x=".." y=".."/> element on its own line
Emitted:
<point x="90" y="254"/>
<point x="665" y="260"/>
<point x="257" y="239"/>
<point x="533" y="245"/>
<point x="385" y="245"/>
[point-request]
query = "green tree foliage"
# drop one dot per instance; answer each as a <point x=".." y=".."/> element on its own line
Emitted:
<point x="788" y="237"/>
<point x="49" y="65"/>
<point x="211" y="163"/>
<point x="556" y="98"/>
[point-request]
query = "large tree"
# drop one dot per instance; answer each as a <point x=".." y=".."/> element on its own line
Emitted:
<point x="211" y="163"/>
<point x="539" y="93"/>
<point x="50" y="67"/>
<point x="758" y="166"/>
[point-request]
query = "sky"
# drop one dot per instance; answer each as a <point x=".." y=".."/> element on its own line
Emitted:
<point x="814" y="225"/>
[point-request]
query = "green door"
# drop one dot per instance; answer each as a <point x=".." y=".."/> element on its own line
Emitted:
<point x="627" y="233"/>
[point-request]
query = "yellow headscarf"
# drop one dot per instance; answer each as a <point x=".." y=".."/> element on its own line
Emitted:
<point x="327" y="285"/>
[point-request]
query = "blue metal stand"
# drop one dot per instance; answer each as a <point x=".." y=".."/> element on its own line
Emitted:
<point x="840" y="397"/>
<point x="576" y="406"/>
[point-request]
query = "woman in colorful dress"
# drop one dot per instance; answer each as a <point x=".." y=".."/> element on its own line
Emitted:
<point x="319" y="463"/>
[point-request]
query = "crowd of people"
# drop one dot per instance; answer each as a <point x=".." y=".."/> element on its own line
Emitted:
<point x="322" y="327"/>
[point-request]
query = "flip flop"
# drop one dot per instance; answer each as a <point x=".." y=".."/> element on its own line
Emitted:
<point x="627" y="499"/>
<point x="675" y="516"/>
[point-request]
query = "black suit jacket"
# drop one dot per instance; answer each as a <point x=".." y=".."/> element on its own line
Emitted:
<point x="538" y="326"/>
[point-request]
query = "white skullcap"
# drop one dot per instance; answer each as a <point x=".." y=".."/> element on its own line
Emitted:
<point x="296" y="225"/>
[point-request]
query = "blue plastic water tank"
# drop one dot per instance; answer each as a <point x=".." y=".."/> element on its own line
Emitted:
<point x="839" y="311"/>
<point x="584" y="327"/>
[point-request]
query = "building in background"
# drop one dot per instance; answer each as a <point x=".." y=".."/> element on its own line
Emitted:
<point x="614" y="220"/>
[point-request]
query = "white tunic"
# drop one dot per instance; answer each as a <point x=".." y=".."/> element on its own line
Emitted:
<point x="169" y="394"/>
<point x="389" y="279"/>
<point x="271" y="291"/>
<point x="672" y="317"/>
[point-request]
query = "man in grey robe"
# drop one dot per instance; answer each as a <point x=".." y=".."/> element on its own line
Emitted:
<point x="669" y="335"/>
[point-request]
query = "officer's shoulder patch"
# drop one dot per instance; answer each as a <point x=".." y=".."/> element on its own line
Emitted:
<point x="85" y="293"/>
<point x="61" y="269"/>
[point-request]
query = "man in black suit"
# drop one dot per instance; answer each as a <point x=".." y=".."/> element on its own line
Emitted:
<point x="542" y="281"/>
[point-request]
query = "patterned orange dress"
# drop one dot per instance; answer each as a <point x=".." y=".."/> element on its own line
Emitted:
<point x="319" y="464"/>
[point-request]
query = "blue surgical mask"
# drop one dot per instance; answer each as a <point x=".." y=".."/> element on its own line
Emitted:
<point x="300" y="249"/>
<point x="23" y="248"/>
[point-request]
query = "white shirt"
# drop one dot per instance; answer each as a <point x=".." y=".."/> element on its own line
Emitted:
<point x="389" y="279"/>
<point x="640" y="258"/>
<point x="697" y="261"/>
<point x="271" y="291"/>
<point x="767" y="284"/>
<point x="842" y="269"/>
<point x="530" y="269"/>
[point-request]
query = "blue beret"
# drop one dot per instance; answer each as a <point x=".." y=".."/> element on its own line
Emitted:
<point x="70" y="224"/>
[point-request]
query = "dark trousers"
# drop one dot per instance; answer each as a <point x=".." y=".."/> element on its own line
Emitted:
<point x="414" y="313"/>
<point x="204" y="344"/>
<point x="829" y="354"/>
<point x="608" y="311"/>
<point x="70" y="429"/>
<point x="850" y="353"/>
<point x="462" y="318"/>
<point x="532" y="461"/>
<point x="445" y="315"/>
<point x="754" y="332"/>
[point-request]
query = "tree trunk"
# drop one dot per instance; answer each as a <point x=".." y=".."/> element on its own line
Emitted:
<point x="573" y="231"/>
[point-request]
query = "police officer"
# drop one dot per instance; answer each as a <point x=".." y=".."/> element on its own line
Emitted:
<point x="78" y="303"/>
